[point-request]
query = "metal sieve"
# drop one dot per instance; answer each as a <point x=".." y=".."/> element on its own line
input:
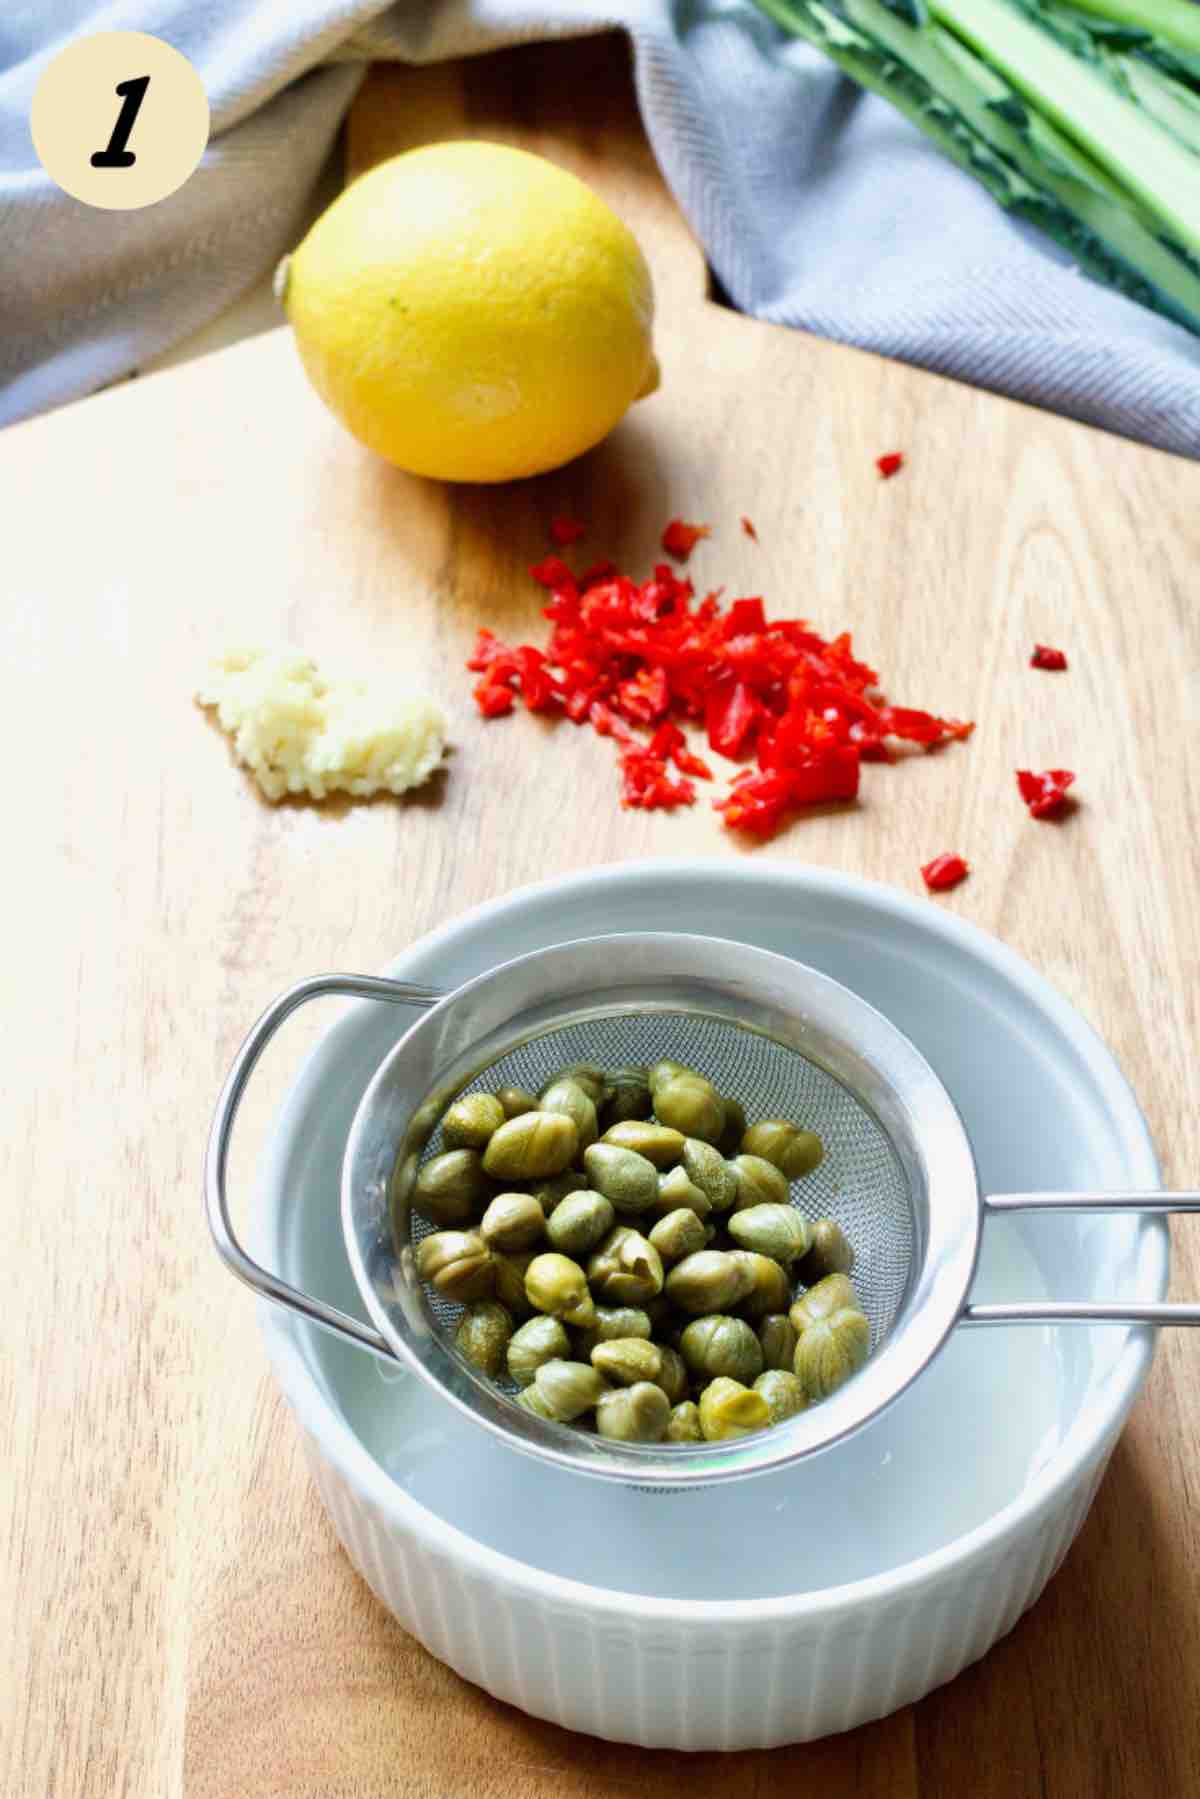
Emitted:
<point x="898" y="1173"/>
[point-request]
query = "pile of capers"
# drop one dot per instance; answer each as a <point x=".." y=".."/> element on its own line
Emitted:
<point x="626" y="1252"/>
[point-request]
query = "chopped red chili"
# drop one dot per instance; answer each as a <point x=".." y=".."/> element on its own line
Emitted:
<point x="801" y="712"/>
<point x="646" y="784"/>
<point x="748" y="528"/>
<point x="1044" y="657"/>
<point x="493" y="699"/>
<point x="566" y="531"/>
<point x="679" y="540"/>
<point x="669" y="741"/>
<point x="1046" y="794"/>
<point x="552" y="572"/>
<point x="760" y="802"/>
<point x="944" y="872"/>
<point x="889" y="465"/>
<point x="731" y="716"/>
<point x="645" y="696"/>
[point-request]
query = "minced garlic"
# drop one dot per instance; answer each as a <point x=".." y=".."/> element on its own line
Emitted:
<point x="299" y="733"/>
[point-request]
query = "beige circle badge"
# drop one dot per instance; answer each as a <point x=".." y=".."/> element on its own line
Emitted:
<point x="119" y="120"/>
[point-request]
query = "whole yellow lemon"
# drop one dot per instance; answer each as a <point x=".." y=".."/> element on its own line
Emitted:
<point x="472" y="312"/>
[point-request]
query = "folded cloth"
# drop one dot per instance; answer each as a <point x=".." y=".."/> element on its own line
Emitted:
<point x="818" y="205"/>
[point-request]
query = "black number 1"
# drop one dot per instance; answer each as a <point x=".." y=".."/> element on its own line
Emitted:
<point x="114" y="154"/>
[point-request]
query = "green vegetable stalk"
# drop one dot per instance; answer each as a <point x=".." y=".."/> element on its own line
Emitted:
<point x="1083" y="118"/>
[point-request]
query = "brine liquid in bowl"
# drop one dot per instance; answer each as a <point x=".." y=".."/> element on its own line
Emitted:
<point x="952" y="1451"/>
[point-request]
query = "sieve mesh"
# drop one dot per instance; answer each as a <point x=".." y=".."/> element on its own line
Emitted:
<point x="860" y="1182"/>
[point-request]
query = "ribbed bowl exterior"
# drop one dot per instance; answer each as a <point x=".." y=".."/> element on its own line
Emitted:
<point x="709" y="1684"/>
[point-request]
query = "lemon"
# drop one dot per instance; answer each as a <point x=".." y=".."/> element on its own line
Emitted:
<point x="472" y="312"/>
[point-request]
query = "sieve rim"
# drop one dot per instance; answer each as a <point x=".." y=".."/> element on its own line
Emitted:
<point x="940" y="1158"/>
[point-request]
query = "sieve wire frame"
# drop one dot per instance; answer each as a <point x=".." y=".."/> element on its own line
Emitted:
<point x="462" y="1041"/>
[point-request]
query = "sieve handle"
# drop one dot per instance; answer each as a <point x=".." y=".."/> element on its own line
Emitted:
<point x="270" y="1286"/>
<point x="1075" y="1311"/>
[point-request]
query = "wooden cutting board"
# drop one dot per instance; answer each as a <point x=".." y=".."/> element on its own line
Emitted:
<point x="179" y="1618"/>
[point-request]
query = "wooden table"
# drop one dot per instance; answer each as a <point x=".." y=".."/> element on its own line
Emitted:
<point x="179" y="1618"/>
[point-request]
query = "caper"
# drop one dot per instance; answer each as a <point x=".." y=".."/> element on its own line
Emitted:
<point x="403" y="1184"/>
<point x="629" y="1097"/>
<point x="830" y="1295"/>
<point x="579" y="1222"/>
<point x="829" y="1253"/>
<point x="677" y="1235"/>
<point x="593" y="1080"/>
<point x="457" y="1263"/>
<point x="622" y="1175"/>
<point x="707" y="1169"/>
<point x="610" y="1323"/>
<point x="513" y="1221"/>
<point x="551" y="1193"/>
<point x="710" y="1280"/>
<point x="793" y="1151"/>
<point x="780" y="1232"/>
<point x="637" y="1414"/>
<point x="658" y="1072"/>
<point x="532" y="1401"/>
<point x="759" y="1183"/>
<point x="557" y="1285"/>
<point x="730" y="1140"/>
<point x="692" y="1105"/>
<point x="452" y="1188"/>
<point x="568" y="1388"/>
<point x="783" y="1393"/>
<point x="424" y="1122"/>
<point x="483" y="1333"/>
<point x="676" y="1190"/>
<point x="470" y="1121"/>
<point x="626" y="1269"/>
<point x="510" y="1280"/>
<point x="531" y="1146"/>
<point x="540" y="1340"/>
<point x="569" y="1098"/>
<point x="777" y="1338"/>
<point x="673" y="1375"/>
<point x="655" y="1142"/>
<point x="721" y="1345"/>
<point x="516" y="1100"/>
<point x="768" y="1287"/>
<point x="729" y="1409"/>
<point x="627" y="1360"/>
<point x="830" y="1350"/>
<point x="683" y="1426"/>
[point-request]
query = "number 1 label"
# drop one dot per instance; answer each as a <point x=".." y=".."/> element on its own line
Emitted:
<point x="114" y="154"/>
<point x="86" y="94"/>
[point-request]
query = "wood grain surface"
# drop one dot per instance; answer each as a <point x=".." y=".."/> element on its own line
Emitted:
<point x="179" y="1619"/>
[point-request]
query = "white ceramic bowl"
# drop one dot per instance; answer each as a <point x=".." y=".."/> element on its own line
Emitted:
<point x="784" y="1607"/>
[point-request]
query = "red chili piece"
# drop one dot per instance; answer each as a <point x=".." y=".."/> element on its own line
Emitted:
<point x="889" y="465"/>
<point x="679" y="540"/>
<point x="944" y="872"/>
<point x="1046" y="794"/>
<point x="802" y="713"/>
<point x="1044" y="657"/>
<point x="748" y="528"/>
<point x="566" y="531"/>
